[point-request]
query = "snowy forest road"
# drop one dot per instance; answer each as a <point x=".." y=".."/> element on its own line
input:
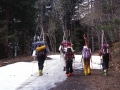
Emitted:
<point x="24" y="75"/>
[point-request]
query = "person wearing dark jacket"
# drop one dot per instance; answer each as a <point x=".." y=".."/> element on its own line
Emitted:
<point x="105" y="53"/>
<point x="41" y="56"/>
<point x="69" y="56"/>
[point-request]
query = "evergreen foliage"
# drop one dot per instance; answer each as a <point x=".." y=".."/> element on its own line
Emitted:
<point x="21" y="20"/>
<point x="17" y="24"/>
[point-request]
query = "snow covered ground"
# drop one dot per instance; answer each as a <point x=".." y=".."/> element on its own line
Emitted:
<point x="24" y="75"/>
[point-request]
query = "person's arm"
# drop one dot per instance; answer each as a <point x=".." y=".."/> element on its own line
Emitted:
<point x="73" y="56"/>
<point x="100" y="52"/>
<point x="60" y="48"/>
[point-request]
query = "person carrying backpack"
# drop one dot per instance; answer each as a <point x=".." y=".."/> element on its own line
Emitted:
<point x="69" y="56"/>
<point x="105" y="53"/>
<point x="41" y="56"/>
<point x="63" y="49"/>
<point x="62" y="57"/>
<point x="86" y="55"/>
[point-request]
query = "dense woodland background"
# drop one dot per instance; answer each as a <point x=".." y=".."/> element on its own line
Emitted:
<point x="22" y="21"/>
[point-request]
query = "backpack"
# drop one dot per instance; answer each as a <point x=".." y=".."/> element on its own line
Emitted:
<point x="86" y="53"/>
<point x="40" y="53"/>
<point x="69" y="54"/>
<point x="105" y="48"/>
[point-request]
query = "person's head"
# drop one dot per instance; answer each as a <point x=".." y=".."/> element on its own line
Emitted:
<point x="40" y="44"/>
<point x="84" y="35"/>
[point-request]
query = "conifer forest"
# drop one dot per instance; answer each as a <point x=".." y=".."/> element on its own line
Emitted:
<point x="23" y="21"/>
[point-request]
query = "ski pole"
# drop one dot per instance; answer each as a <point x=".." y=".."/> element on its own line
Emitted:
<point x="46" y="66"/>
<point x="74" y="67"/>
<point x="91" y="64"/>
<point x="63" y="61"/>
<point x="101" y="62"/>
<point x="82" y="61"/>
<point x="33" y="65"/>
<point x="60" y="55"/>
<point x="82" y="64"/>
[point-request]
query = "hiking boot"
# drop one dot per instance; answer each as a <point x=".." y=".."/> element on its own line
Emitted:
<point x="85" y="73"/>
<point x="40" y="73"/>
<point x="89" y="72"/>
<point x="105" y="72"/>
<point x="68" y="75"/>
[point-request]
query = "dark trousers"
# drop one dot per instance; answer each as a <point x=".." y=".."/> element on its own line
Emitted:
<point x="69" y="68"/>
<point x="105" y="63"/>
<point x="41" y="61"/>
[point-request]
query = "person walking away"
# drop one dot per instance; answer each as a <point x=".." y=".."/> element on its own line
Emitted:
<point x="62" y="53"/>
<point x="69" y="56"/>
<point x="105" y="53"/>
<point x="41" y="53"/>
<point x="63" y="49"/>
<point x="86" y="55"/>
